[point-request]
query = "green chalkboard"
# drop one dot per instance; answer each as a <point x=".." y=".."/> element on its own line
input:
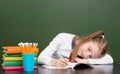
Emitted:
<point x="40" y="20"/>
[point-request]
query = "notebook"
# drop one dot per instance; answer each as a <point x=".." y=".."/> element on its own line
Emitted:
<point x="76" y="66"/>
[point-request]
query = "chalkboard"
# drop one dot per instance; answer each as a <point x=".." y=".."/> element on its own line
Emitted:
<point x="41" y="20"/>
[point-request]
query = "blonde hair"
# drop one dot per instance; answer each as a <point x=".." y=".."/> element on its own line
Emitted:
<point x="97" y="37"/>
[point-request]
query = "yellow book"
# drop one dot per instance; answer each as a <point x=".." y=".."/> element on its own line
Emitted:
<point x="14" y="58"/>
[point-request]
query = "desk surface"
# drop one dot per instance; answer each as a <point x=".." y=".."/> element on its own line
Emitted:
<point x="99" y="69"/>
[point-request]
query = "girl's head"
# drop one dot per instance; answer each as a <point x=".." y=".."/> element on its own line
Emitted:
<point x="91" y="46"/>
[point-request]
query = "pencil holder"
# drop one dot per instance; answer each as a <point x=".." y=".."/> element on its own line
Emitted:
<point x="28" y="62"/>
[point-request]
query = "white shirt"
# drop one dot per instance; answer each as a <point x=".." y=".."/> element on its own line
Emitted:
<point x="61" y="46"/>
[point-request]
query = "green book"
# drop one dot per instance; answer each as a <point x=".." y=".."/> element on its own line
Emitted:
<point x="15" y="63"/>
<point x="12" y="55"/>
<point x="17" y="55"/>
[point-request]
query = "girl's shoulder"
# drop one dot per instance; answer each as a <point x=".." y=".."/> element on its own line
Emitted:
<point x="65" y="34"/>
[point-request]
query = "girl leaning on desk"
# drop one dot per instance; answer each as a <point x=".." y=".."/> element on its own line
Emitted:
<point x="66" y="47"/>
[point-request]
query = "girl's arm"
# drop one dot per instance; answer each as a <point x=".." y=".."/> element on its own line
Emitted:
<point x="45" y="56"/>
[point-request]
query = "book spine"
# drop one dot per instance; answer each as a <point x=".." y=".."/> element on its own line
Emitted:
<point x="15" y="49"/>
<point x="15" y="63"/>
<point x="17" y="55"/>
<point x="15" y="68"/>
<point x="12" y="55"/>
<point x="14" y="58"/>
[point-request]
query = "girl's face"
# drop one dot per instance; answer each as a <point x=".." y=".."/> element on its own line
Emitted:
<point x="89" y="50"/>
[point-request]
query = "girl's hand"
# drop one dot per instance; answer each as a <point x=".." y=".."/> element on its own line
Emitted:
<point x="59" y="62"/>
<point x="78" y="60"/>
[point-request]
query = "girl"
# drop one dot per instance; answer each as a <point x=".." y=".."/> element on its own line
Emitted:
<point x="66" y="47"/>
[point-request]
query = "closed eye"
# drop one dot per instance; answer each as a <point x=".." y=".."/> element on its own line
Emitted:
<point x="79" y="57"/>
<point x="90" y="51"/>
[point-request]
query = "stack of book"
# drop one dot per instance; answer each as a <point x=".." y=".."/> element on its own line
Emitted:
<point x="12" y="58"/>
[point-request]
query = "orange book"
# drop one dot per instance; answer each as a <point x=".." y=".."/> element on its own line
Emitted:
<point x="15" y="49"/>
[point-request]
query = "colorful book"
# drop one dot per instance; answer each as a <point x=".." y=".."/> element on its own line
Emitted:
<point x="15" y="68"/>
<point x="14" y="58"/>
<point x="15" y="49"/>
<point x="17" y="55"/>
<point x="15" y="63"/>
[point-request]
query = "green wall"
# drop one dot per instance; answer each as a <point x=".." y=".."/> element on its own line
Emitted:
<point x="40" y="20"/>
